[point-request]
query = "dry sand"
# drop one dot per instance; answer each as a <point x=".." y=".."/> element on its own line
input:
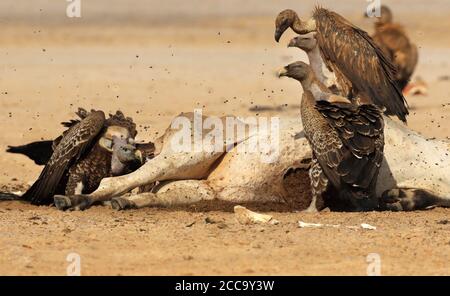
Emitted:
<point x="221" y="58"/>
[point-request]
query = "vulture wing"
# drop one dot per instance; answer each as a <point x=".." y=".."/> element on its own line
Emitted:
<point x="358" y="61"/>
<point x="70" y="148"/>
<point x="352" y="159"/>
<point x="40" y="151"/>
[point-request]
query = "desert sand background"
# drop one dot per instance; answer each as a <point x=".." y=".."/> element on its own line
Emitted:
<point x="153" y="59"/>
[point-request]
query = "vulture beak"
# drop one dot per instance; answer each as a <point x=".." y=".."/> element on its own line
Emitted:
<point x="282" y="72"/>
<point x="139" y="156"/>
<point x="278" y="34"/>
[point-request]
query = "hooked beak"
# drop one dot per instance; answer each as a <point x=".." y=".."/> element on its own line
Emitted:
<point x="278" y="34"/>
<point x="282" y="72"/>
<point x="139" y="156"/>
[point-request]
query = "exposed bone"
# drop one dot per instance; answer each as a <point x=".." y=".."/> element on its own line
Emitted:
<point x="368" y="226"/>
<point x="245" y="216"/>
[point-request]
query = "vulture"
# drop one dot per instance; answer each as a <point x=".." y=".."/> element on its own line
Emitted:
<point x="92" y="148"/>
<point x="363" y="72"/>
<point x="396" y="46"/>
<point x="347" y="141"/>
<point x="308" y="44"/>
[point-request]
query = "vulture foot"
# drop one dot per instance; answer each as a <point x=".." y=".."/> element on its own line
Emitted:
<point x="74" y="202"/>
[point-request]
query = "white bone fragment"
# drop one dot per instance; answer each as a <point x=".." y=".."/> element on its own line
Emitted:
<point x="245" y="216"/>
<point x="365" y="226"/>
<point x="368" y="226"/>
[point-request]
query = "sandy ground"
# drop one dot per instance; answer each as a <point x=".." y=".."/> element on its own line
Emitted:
<point x="221" y="59"/>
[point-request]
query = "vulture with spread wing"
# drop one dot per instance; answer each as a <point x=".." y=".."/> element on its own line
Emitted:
<point x="91" y="149"/>
<point x="347" y="141"/>
<point x="363" y="72"/>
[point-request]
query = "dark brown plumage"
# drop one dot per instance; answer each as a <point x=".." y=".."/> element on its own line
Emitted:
<point x="347" y="141"/>
<point x="362" y="70"/>
<point x="81" y="156"/>
<point x="395" y="44"/>
<point x="40" y="151"/>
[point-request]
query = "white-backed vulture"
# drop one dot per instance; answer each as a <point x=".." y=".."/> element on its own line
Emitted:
<point x="363" y="72"/>
<point x="347" y="141"/>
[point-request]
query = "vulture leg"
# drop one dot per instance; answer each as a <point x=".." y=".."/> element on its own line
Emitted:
<point x="411" y="199"/>
<point x="319" y="184"/>
<point x="166" y="166"/>
<point x="170" y="194"/>
<point x="74" y="185"/>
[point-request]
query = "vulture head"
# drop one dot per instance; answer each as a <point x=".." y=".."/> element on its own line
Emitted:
<point x="386" y="15"/>
<point x="111" y="133"/>
<point x="125" y="156"/>
<point x="299" y="71"/>
<point x="120" y="127"/>
<point x="128" y="153"/>
<point x="289" y="19"/>
<point x="305" y="42"/>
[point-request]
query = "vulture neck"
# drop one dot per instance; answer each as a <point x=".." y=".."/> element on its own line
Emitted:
<point x="311" y="118"/>
<point x="380" y="25"/>
<point x="300" y="27"/>
<point x="316" y="63"/>
<point x="319" y="91"/>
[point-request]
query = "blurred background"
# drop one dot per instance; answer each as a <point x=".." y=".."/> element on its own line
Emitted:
<point x="154" y="59"/>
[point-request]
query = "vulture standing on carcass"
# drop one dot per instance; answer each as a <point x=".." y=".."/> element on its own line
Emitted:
<point x="363" y="72"/>
<point x="394" y="42"/>
<point x="91" y="149"/>
<point x="347" y="141"/>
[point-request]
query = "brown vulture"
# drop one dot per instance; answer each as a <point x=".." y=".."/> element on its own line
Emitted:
<point x="363" y="72"/>
<point x="347" y="140"/>
<point x="395" y="44"/>
<point x="92" y="148"/>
